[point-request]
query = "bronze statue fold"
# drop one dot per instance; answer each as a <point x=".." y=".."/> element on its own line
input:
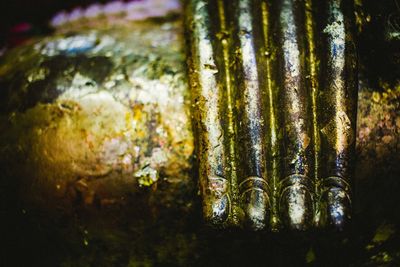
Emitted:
<point x="252" y="174"/>
<point x="274" y="88"/>
<point x="209" y="89"/>
<point x="224" y="73"/>
<point x="336" y="110"/>
<point x="295" y="185"/>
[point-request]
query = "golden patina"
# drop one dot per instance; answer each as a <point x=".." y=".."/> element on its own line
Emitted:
<point x="274" y="93"/>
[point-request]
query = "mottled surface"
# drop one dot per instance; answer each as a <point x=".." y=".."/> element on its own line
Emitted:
<point x="96" y="162"/>
<point x="96" y="127"/>
<point x="259" y="167"/>
<point x="116" y="11"/>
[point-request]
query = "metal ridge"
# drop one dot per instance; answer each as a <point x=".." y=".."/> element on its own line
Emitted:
<point x="274" y="102"/>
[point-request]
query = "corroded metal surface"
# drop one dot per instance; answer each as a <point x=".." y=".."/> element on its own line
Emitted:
<point x="274" y="94"/>
<point x="90" y="118"/>
<point x="129" y="224"/>
<point x="337" y="106"/>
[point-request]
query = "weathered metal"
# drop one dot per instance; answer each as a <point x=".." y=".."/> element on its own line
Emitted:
<point x="274" y="90"/>
<point x="69" y="200"/>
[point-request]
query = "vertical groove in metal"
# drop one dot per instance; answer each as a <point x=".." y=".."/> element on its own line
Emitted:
<point x="231" y="129"/>
<point x="313" y="68"/>
<point x="271" y="114"/>
<point x="273" y="98"/>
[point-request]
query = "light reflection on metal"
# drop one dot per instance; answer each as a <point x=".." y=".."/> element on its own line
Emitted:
<point x="274" y="96"/>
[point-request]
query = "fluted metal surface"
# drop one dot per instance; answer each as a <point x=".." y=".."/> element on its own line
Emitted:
<point x="274" y="97"/>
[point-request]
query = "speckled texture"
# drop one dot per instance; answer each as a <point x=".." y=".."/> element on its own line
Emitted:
<point x="105" y="215"/>
<point x="93" y="124"/>
<point x="275" y="170"/>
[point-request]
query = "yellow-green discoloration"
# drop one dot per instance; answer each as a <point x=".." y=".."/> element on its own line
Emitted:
<point x="268" y="113"/>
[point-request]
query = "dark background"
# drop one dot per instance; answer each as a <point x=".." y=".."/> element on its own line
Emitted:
<point x="35" y="12"/>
